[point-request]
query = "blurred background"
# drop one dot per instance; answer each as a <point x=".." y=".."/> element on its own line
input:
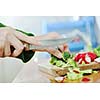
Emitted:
<point x="32" y="23"/>
<point x="38" y="25"/>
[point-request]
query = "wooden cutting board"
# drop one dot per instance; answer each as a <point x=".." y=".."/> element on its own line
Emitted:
<point x="94" y="78"/>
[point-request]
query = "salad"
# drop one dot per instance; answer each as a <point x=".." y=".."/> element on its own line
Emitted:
<point x="72" y="63"/>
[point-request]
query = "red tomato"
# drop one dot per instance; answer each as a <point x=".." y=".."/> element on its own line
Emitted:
<point x="85" y="79"/>
<point x="92" y="56"/>
<point x="79" y="56"/>
<point x="86" y="57"/>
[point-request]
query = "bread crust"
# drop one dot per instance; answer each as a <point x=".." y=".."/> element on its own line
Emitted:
<point x="62" y="71"/>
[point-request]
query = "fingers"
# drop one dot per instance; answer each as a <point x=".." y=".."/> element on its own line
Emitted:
<point x="25" y="38"/>
<point x="17" y="45"/>
<point x="55" y="35"/>
<point x="55" y="52"/>
<point x="2" y="44"/>
<point x="58" y="53"/>
<point x="63" y="48"/>
<point x="52" y="35"/>
<point x="16" y="52"/>
<point x="66" y="48"/>
<point x="7" y="51"/>
<point x="7" y="38"/>
<point x="26" y="46"/>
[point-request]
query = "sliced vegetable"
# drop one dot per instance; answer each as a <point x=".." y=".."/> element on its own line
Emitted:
<point x="59" y="63"/>
<point x="65" y="65"/>
<point x="86" y="71"/>
<point x="97" y="51"/>
<point x="85" y="79"/>
<point x="92" y="55"/>
<point x="74" y="76"/>
<point x="59" y="79"/>
<point x="53" y="60"/>
<point x="66" y="55"/>
<point x="97" y="60"/>
<point x="71" y="62"/>
<point x="83" y="63"/>
<point x="86" y="57"/>
<point x="95" y="72"/>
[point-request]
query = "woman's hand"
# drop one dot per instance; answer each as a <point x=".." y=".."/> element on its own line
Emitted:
<point x="10" y="37"/>
<point x="55" y="52"/>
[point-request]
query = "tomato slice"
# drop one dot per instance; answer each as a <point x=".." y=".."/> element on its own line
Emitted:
<point x="85" y="79"/>
<point x="87" y="57"/>
<point x="92" y="55"/>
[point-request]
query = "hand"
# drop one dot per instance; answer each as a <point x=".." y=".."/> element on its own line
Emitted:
<point x="55" y="52"/>
<point x="10" y="37"/>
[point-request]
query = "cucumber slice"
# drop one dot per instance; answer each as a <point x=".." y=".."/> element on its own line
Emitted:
<point x="53" y="60"/>
<point x="59" y="63"/>
<point x="74" y="76"/>
<point x="72" y="63"/>
<point x="87" y="71"/>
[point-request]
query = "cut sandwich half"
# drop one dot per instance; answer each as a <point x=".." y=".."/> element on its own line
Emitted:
<point x="83" y="61"/>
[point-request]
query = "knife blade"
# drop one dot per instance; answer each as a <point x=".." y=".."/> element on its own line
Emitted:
<point x="51" y="43"/>
<point x="56" y="42"/>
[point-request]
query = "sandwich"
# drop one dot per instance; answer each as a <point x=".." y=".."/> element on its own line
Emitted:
<point x="76" y="66"/>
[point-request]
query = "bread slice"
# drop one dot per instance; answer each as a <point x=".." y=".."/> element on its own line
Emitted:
<point x="62" y="71"/>
<point x="92" y="65"/>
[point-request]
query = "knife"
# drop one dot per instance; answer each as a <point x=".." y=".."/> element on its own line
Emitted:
<point x="51" y="43"/>
<point x="66" y="38"/>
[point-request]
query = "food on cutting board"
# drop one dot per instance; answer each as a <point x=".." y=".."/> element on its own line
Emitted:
<point x="76" y="66"/>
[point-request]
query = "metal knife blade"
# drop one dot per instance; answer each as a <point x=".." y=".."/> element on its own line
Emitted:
<point x="51" y="43"/>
